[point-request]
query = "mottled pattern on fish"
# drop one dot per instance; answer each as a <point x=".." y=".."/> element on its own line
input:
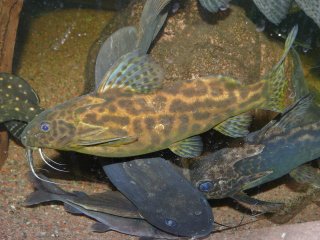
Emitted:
<point x="275" y="151"/>
<point x="132" y="113"/>
<point x="156" y="120"/>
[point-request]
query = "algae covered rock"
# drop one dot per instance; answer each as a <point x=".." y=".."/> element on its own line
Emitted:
<point x="196" y="43"/>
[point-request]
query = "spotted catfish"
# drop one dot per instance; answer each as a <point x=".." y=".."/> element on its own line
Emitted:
<point x="19" y="103"/>
<point x="268" y="154"/>
<point x="132" y="113"/>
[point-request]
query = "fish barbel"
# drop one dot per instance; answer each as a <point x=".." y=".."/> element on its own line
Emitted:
<point x="132" y="113"/>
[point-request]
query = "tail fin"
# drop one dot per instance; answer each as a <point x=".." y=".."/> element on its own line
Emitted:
<point x="46" y="192"/>
<point x="276" y="79"/>
<point x="151" y="21"/>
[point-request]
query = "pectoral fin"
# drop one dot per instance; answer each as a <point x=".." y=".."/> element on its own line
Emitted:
<point x="189" y="147"/>
<point x="112" y="142"/>
<point x="236" y="126"/>
<point x="306" y="174"/>
<point x="256" y="204"/>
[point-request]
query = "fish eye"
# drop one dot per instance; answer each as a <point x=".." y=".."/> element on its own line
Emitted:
<point x="45" y="127"/>
<point x="205" y="186"/>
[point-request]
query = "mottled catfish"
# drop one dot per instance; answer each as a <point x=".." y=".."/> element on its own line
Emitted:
<point x="111" y="210"/>
<point x="132" y="113"/>
<point x="268" y="154"/>
<point x="19" y="103"/>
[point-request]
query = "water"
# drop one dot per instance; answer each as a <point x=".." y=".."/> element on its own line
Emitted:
<point x="55" y="38"/>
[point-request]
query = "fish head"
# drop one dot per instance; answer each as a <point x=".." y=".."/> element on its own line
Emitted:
<point x="52" y="128"/>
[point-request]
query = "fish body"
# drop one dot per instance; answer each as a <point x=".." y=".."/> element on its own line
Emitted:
<point x="132" y="113"/>
<point x="268" y="154"/>
<point x="111" y="209"/>
<point x="150" y="121"/>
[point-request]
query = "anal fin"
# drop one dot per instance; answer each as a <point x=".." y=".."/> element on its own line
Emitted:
<point x="235" y="126"/>
<point x="189" y="147"/>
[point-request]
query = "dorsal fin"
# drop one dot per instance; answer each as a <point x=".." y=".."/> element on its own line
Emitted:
<point x="133" y="71"/>
<point x="151" y="21"/>
<point x="118" y="44"/>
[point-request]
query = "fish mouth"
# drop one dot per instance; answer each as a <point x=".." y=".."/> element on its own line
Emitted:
<point x="45" y="158"/>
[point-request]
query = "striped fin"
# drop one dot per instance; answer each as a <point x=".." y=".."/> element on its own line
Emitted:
<point x="189" y="147"/>
<point x="274" y="10"/>
<point x="306" y="174"/>
<point x="118" y="44"/>
<point x="311" y="8"/>
<point x="291" y="117"/>
<point x="151" y="21"/>
<point x="276" y="79"/>
<point x="134" y="71"/>
<point x="214" y="5"/>
<point x="235" y="126"/>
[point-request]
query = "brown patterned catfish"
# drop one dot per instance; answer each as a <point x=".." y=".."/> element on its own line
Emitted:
<point x="132" y="113"/>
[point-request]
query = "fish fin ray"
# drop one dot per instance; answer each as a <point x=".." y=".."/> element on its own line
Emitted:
<point x="189" y="147"/>
<point x="118" y="44"/>
<point x="292" y="115"/>
<point x="235" y="126"/>
<point x="276" y="79"/>
<point x="306" y="174"/>
<point x="133" y="71"/>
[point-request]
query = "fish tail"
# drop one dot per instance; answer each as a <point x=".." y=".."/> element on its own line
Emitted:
<point x="276" y="80"/>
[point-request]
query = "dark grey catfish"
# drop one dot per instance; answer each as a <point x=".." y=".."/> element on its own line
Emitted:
<point x="164" y="197"/>
<point x="123" y="216"/>
<point x="19" y="103"/>
<point x="274" y="10"/>
<point x="128" y="39"/>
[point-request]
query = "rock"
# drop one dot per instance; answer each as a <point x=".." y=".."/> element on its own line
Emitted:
<point x="194" y="43"/>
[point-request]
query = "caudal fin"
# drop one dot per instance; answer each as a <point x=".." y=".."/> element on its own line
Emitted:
<point x="277" y="82"/>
